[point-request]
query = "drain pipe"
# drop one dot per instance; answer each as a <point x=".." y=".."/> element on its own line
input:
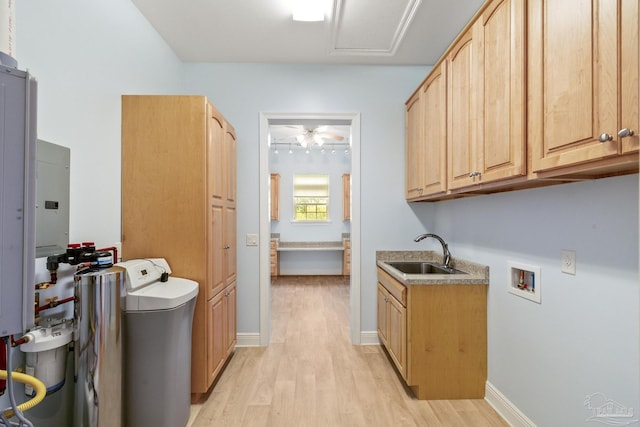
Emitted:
<point x="8" y="33"/>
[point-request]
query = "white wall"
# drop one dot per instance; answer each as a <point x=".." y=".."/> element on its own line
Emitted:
<point x="583" y="338"/>
<point x="242" y="91"/>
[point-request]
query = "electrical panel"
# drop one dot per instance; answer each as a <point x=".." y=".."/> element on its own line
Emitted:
<point x="52" y="198"/>
<point x="17" y="200"/>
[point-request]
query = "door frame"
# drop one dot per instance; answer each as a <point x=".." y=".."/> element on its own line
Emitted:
<point x="265" y="221"/>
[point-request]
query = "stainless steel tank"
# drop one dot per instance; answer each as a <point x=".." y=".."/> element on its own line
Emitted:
<point x="99" y="347"/>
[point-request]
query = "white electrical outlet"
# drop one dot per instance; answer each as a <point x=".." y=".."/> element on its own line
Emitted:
<point x="568" y="261"/>
<point x="252" y="240"/>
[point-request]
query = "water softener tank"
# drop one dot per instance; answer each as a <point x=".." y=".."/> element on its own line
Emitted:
<point x="99" y="347"/>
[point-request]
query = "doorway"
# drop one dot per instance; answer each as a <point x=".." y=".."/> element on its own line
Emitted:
<point x="352" y="120"/>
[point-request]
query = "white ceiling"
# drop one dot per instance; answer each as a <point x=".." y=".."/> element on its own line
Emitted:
<point x="380" y="32"/>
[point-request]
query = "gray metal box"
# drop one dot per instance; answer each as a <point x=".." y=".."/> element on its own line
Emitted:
<point x="52" y="198"/>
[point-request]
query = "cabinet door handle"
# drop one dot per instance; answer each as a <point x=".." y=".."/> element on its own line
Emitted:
<point x="623" y="133"/>
<point x="605" y="137"/>
<point x="227" y="247"/>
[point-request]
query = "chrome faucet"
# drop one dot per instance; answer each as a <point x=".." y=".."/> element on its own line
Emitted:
<point x="446" y="255"/>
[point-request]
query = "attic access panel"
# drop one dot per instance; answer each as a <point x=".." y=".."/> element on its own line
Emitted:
<point x="371" y="27"/>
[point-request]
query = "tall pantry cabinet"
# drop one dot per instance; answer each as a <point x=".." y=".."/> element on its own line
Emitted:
<point x="179" y="203"/>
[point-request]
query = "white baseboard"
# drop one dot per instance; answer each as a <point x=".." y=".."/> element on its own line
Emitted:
<point x="369" y="338"/>
<point x="248" y="340"/>
<point x="505" y="408"/>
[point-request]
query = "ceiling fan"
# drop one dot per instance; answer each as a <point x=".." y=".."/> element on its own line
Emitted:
<point x="312" y="136"/>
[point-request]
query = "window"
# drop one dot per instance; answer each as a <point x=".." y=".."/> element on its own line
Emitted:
<point x="311" y="197"/>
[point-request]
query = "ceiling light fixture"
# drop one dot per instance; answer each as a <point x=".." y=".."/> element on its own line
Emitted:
<point x="309" y="139"/>
<point x="308" y="10"/>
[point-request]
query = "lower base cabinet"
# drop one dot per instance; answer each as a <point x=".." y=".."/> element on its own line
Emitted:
<point x="221" y="318"/>
<point x="436" y="336"/>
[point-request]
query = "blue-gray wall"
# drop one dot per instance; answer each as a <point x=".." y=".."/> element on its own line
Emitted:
<point x="545" y="358"/>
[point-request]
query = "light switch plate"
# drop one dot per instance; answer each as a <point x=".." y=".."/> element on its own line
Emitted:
<point x="568" y="260"/>
<point x="252" y="240"/>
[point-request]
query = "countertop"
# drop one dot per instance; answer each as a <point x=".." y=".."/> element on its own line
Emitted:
<point x="477" y="274"/>
<point x="337" y="245"/>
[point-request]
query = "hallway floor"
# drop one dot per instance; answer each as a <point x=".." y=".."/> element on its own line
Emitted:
<point x="311" y="375"/>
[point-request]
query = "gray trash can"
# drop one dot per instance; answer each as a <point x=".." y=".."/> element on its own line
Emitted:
<point x="158" y="316"/>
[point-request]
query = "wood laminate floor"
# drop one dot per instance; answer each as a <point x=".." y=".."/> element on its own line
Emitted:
<point x="311" y="375"/>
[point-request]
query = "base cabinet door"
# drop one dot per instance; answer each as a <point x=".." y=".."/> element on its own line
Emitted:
<point x="215" y="337"/>
<point x="231" y="318"/>
<point x="397" y="322"/>
<point x="383" y="328"/>
<point x="392" y="328"/>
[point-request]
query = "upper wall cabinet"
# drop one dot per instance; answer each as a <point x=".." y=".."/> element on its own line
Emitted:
<point x="538" y="92"/>
<point x="413" y="147"/>
<point x="583" y="83"/>
<point x="462" y="111"/>
<point x="629" y="87"/>
<point x="426" y="133"/>
<point x="434" y="131"/>
<point x="486" y="109"/>
<point x="501" y="92"/>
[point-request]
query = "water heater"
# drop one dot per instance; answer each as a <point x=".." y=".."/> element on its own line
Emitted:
<point x="17" y="199"/>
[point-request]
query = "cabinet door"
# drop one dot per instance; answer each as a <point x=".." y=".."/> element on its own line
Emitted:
<point x="274" y="186"/>
<point x="346" y="258"/>
<point x="434" y="136"/>
<point x="461" y="112"/>
<point x="231" y="313"/>
<point x="383" y="327"/>
<point x="215" y="145"/>
<point x="216" y="335"/>
<point x="629" y="91"/>
<point x="229" y="245"/>
<point x="274" y="258"/>
<point x="501" y="91"/>
<point x="230" y="163"/>
<point x="346" y="196"/>
<point x="217" y="258"/>
<point x="572" y="81"/>
<point x="413" y="147"/>
<point x="397" y="338"/>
